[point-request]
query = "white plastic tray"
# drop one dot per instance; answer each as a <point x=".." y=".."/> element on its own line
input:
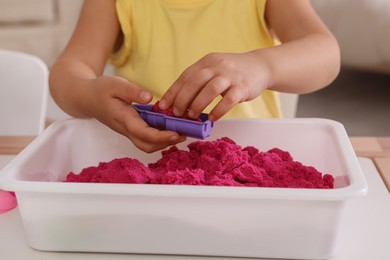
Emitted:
<point x="189" y="220"/>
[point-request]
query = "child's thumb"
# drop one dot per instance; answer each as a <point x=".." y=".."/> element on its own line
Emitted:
<point x="144" y="97"/>
<point x="130" y="93"/>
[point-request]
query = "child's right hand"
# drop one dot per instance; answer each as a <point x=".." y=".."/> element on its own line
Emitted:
<point x="110" y="103"/>
<point x="78" y="87"/>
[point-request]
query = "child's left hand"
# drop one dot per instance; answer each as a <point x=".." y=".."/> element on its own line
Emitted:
<point x="236" y="77"/>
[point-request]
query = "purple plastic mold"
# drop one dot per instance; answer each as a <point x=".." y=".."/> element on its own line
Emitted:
<point x="190" y="128"/>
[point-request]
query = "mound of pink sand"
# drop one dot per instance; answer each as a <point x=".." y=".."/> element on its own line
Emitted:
<point x="215" y="163"/>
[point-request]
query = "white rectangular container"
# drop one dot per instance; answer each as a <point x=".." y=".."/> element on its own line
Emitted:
<point x="188" y="220"/>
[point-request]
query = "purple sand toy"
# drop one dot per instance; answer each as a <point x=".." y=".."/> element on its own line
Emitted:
<point x="190" y="128"/>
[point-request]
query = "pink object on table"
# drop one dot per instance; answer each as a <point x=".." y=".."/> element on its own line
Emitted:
<point x="7" y="201"/>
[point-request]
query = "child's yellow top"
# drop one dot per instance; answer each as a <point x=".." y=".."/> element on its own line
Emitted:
<point x="164" y="37"/>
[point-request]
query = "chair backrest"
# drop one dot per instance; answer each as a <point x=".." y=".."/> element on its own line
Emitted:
<point x="23" y="93"/>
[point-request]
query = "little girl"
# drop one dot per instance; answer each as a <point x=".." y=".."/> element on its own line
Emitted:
<point x="225" y="57"/>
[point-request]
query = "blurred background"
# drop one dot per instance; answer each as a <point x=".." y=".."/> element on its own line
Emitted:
<point x="359" y="98"/>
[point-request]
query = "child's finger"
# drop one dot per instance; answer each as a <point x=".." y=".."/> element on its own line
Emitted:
<point x="150" y="147"/>
<point x="229" y="100"/>
<point x="185" y="88"/>
<point x="150" y="139"/>
<point x="130" y="92"/>
<point x="213" y="89"/>
<point x="191" y="90"/>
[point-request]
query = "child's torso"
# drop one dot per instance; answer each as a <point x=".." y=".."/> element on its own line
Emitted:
<point x="164" y="37"/>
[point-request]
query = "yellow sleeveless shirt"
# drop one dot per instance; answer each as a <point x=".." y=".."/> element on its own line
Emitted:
<point x="163" y="37"/>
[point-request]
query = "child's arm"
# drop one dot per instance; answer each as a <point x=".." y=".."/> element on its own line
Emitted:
<point x="80" y="89"/>
<point x="307" y="60"/>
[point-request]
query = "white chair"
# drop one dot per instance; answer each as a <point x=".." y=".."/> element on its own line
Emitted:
<point x="23" y="93"/>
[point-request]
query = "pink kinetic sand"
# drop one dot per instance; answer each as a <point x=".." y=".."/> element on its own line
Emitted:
<point x="220" y="163"/>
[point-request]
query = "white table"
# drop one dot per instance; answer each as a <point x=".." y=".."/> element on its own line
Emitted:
<point x="365" y="233"/>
